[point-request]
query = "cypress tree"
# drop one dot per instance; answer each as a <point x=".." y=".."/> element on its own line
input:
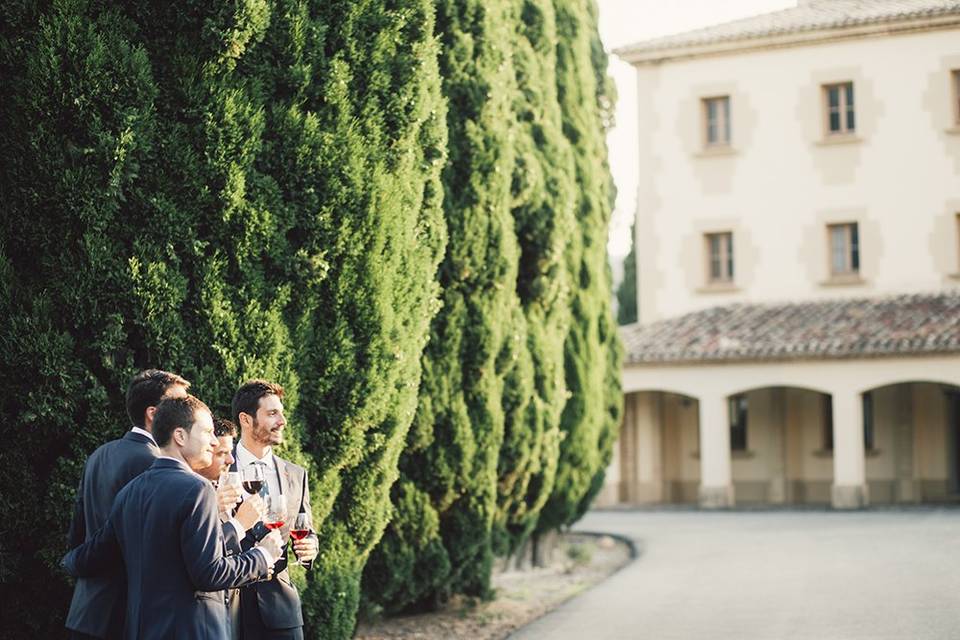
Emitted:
<point x="542" y="186"/>
<point x="370" y="140"/>
<point x="591" y="353"/>
<point x="627" y="291"/>
<point x="438" y="542"/>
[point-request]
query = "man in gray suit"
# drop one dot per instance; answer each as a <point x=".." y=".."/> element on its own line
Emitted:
<point x="165" y="526"/>
<point x="96" y="610"/>
<point x="271" y="609"/>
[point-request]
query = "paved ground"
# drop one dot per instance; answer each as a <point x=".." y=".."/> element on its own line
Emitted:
<point x="873" y="575"/>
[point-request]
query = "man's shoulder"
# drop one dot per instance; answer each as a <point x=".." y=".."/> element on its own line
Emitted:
<point x="292" y="467"/>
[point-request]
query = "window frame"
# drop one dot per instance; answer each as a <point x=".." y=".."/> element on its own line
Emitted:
<point x="955" y="95"/>
<point x="846" y="109"/>
<point x="722" y="124"/>
<point x="725" y="257"/>
<point x="852" y="250"/>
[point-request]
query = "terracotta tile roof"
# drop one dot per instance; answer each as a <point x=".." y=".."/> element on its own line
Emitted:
<point x="817" y="15"/>
<point x="853" y="328"/>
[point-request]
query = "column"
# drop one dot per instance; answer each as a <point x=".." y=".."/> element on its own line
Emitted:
<point x="777" y="489"/>
<point x="716" y="487"/>
<point x="849" y="478"/>
<point x="649" y="449"/>
<point x="906" y="490"/>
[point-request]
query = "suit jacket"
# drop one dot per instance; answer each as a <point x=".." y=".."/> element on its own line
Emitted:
<point x="98" y="601"/>
<point x="278" y="600"/>
<point x="166" y="527"/>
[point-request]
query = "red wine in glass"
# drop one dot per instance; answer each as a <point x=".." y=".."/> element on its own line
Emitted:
<point x="273" y="525"/>
<point x="299" y="534"/>
<point x="252" y="477"/>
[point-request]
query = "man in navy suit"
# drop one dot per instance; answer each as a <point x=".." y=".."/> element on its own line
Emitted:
<point x="165" y="526"/>
<point x="271" y="609"/>
<point x="96" y="610"/>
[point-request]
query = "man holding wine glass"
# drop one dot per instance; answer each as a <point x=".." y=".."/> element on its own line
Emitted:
<point x="97" y="608"/>
<point x="271" y="609"/>
<point x="164" y="526"/>
<point x="238" y="520"/>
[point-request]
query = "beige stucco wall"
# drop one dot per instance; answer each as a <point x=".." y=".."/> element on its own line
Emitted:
<point x="780" y="185"/>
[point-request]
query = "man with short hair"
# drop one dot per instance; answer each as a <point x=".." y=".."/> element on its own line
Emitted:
<point x="96" y="610"/>
<point x="165" y="526"/>
<point x="247" y="520"/>
<point x="271" y="609"/>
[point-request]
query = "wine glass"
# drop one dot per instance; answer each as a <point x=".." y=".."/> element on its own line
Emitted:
<point x="300" y="530"/>
<point x="230" y="479"/>
<point x="252" y="478"/>
<point x="276" y="515"/>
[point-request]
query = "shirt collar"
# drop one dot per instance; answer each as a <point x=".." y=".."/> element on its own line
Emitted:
<point x="178" y="461"/>
<point x="144" y="432"/>
<point x="245" y="457"/>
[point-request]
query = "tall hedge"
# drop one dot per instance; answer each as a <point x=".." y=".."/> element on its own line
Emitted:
<point x="591" y="353"/>
<point x="438" y="541"/>
<point x="543" y="200"/>
<point x="226" y="190"/>
<point x="371" y="146"/>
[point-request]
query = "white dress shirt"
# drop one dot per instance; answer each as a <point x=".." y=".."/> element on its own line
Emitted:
<point x="270" y="475"/>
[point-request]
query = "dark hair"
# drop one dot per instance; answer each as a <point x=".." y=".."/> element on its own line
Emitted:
<point x="146" y="389"/>
<point x="247" y="398"/>
<point x="173" y="414"/>
<point x="223" y="427"/>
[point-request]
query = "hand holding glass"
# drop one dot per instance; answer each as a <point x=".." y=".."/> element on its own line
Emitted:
<point x="300" y="530"/>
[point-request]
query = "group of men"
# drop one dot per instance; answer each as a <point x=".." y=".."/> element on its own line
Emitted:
<point x="161" y="548"/>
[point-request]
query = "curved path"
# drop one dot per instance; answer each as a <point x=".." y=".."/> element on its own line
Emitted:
<point x="791" y="575"/>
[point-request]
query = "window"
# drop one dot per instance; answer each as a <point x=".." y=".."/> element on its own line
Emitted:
<point x="958" y="243"/>
<point x="844" y="249"/>
<point x="719" y="257"/>
<point x="828" y="423"/>
<point x="716" y="118"/>
<point x="738" y="423"/>
<point x="839" y="104"/>
<point x="955" y="83"/>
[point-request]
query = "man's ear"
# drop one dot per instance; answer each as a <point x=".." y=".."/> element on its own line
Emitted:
<point x="246" y="421"/>
<point x="179" y="436"/>
<point x="148" y="415"/>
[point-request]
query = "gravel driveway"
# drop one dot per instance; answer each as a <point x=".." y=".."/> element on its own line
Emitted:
<point x="875" y="575"/>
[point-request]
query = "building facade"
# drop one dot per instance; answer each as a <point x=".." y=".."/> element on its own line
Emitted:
<point x="798" y="261"/>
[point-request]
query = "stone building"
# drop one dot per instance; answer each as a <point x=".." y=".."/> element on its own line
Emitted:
<point x="798" y="261"/>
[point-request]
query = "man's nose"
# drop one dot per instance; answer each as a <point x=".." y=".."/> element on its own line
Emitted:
<point x="229" y="458"/>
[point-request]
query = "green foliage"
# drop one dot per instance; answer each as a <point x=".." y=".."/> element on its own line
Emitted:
<point x="250" y="189"/>
<point x="451" y="454"/>
<point x="627" y="291"/>
<point x="591" y="415"/>
<point x="226" y="190"/>
<point x="543" y="200"/>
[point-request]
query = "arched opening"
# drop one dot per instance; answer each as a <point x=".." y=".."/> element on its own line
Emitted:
<point x="912" y="442"/>
<point x="656" y="457"/>
<point x="781" y="446"/>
